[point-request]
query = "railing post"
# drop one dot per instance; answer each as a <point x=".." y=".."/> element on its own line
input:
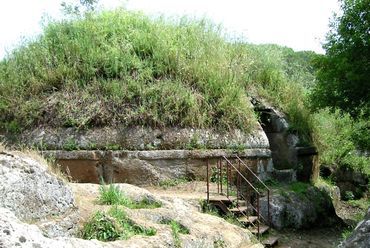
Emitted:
<point x="218" y="176"/>
<point x="221" y="177"/>
<point x="207" y="180"/>
<point x="268" y="208"/>
<point x="238" y="186"/>
<point x="227" y="179"/>
<point x="258" y="215"/>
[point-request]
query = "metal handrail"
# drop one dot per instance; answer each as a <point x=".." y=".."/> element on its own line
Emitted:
<point x="268" y="189"/>
<point x="243" y="197"/>
<point x="229" y="166"/>
<point x="246" y="166"/>
<point x="242" y="176"/>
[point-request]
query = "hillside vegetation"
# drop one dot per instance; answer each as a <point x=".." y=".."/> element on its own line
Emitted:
<point x="120" y="68"/>
<point x="124" y="68"/>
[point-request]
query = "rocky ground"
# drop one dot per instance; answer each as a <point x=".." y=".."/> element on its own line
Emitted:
<point x="37" y="209"/>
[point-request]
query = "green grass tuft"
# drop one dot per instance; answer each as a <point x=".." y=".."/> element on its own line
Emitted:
<point x="177" y="229"/>
<point x="112" y="195"/>
<point x="112" y="226"/>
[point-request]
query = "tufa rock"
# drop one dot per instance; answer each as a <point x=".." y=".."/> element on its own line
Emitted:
<point x="34" y="194"/>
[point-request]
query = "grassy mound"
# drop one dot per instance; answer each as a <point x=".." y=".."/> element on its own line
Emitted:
<point x="123" y="68"/>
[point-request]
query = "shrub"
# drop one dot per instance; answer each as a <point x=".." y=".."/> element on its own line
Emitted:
<point x="336" y="139"/>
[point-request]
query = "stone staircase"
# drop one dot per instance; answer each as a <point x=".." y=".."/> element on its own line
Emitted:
<point x="238" y="192"/>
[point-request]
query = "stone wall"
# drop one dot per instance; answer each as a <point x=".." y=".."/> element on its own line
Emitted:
<point x="289" y="159"/>
<point x="139" y="138"/>
<point x="151" y="167"/>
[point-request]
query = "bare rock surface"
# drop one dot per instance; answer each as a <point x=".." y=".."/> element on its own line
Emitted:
<point x="205" y="230"/>
<point x="39" y="210"/>
<point x="34" y="194"/>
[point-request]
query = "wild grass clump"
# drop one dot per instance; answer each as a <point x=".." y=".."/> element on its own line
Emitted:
<point x="119" y="67"/>
<point x="113" y="225"/>
<point x="112" y="195"/>
<point x="177" y="229"/>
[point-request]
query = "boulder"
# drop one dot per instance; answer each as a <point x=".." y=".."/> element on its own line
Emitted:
<point x="360" y="237"/>
<point x="34" y="194"/>
<point x="299" y="209"/>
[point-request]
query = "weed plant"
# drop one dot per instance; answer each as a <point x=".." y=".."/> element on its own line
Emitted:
<point x="112" y="226"/>
<point x="112" y="195"/>
<point x="177" y="229"/>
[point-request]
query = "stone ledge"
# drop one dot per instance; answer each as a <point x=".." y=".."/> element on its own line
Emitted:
<point x="157" y="154"/>
<point x="139" y="138"/>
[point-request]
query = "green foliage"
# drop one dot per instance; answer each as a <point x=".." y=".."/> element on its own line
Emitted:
<point x="284" y="85"/>
<point x="348" y="195"/>
<point x="123" y="68"/>
<point x="112" y="195"/>
<point x="112" y="226"/>
<point x="336" y="136"/>
<point x="70" y="145"/>
<point x="344" y="74"/>
<point x="177" y="229"/>
<point x="299" y="187"/>
<point x="101" y="227"/>
<point x="346" y="233"/>
<point x="219" y="243"/>
<point x="363" y="203"/>
<point x="120" y="67"/>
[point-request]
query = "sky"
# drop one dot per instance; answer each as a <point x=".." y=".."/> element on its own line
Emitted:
<point x="299" y="24"/>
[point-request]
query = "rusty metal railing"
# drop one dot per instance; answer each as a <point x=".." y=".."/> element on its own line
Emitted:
<point x="263" y="184"/>
<point x="239" y="180"/>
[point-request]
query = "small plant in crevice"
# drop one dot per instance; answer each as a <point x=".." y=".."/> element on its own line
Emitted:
<point x="346" y="233"/>
<point x="112" y="147"/>
<point x="232" y="219"/>
<point x="177" y="229"/>
<point x="219" y="243"/>
<point x="71" y="144"/>
<point x="208" y="208"/>
<point x="112" y="225"/>
<point x="112" y="195"/>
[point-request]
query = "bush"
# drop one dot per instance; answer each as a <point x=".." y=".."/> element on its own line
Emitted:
<point x="336" y="138"/>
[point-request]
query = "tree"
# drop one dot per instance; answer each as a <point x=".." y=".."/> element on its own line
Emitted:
<point x="77" y="8"/>
<point x="344" y="72"/>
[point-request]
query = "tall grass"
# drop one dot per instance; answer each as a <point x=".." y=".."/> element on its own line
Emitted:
<point x="122" y="67"/>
